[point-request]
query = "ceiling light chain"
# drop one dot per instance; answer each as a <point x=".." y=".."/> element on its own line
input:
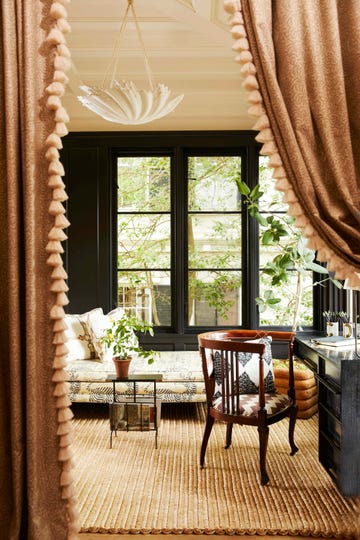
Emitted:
<point x="116" y="50"/>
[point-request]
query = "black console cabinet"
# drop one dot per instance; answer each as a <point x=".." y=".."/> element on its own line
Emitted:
<point x="338" y="374"/>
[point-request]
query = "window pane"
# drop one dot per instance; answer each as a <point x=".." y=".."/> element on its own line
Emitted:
<point x="144" y="241"/>
<point x="279" y="259"/>
<point x="283" y="313"/>
<point x="212" y="185"/>
<point x="144" y="237"/>
<point x="271" y="199"/>
<point x="147" y="295"/>
<point x="214" y="241"/>
<point x="144" y="184"/>
<point x="214" y="298"/>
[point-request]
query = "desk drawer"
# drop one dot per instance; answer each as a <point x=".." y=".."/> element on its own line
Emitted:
<point x="330" y="425"/>
<point x="332" y="370"/>
<point x="329" y="397"/>
<point x="329" y="455"/>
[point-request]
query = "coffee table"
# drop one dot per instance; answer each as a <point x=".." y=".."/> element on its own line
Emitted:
<point x="137" y="413"/>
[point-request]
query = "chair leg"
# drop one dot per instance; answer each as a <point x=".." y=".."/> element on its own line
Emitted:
<point x="228" y="435"/>
<point x="263" y="438"/>
<point x="293" y="415"/>
<point x="208" y="427"/>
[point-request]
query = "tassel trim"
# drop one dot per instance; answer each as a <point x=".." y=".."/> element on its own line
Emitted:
<point x="61" y="63"/>
<point x="341" y="269"/>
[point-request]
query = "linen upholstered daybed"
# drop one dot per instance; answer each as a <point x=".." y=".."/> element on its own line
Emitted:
<point x="90" y="367"/>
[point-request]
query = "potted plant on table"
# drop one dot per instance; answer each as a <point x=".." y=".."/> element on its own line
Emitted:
<point x="121" y="338"/>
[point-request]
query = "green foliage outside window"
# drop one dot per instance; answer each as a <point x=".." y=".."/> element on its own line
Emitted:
<point x="213" y="245"/>
<point x="214" y="238"/>
<point x="289" y="264"/>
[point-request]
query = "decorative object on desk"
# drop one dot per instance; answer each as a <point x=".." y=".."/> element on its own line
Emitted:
<point x="121" y="101"/>
<point x="333" y="341"/>
<point x="332" y="328"/>
<point x="122" y="340"/>
<point x="122" y="366"/>
<point x="332" y="323"/>
<point x="348" y="330"/>
<point x="347" y="325"/>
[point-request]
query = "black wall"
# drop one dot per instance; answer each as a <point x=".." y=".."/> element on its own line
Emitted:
<point x="87" y="251"/>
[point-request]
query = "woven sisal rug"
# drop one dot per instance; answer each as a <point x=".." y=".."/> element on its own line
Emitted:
<point x="135" y="488"/>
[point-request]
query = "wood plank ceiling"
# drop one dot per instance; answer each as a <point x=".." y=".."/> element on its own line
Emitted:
<point x="188" y="43"/>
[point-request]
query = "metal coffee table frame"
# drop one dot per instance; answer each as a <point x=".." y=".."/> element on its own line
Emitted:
<point x="134" y="379"/>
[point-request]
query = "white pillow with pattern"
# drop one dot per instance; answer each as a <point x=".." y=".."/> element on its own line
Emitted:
<point x="79" y="341"/>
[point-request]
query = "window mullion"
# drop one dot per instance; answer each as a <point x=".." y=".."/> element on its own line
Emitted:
<point x="250" y="236"/>
<point x="179" y="262"/>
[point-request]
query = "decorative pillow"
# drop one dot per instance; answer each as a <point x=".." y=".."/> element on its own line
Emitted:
<point x="249" y="370"/>
<point x="79" y="341"/>
<point x="98" y="323"/>
<point x="116" y="314"/>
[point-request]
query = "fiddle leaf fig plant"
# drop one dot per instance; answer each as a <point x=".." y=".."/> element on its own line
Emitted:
<point x="121" y="337"/>
<point x="292" y="254"/>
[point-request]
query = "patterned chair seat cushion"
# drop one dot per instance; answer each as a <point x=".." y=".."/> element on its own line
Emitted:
<point x="249" y="404"/>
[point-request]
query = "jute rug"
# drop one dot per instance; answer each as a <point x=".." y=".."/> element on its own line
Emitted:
<point x="135" y="488"/>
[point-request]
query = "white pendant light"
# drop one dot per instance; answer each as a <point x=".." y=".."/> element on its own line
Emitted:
<point x="121" y="101"/>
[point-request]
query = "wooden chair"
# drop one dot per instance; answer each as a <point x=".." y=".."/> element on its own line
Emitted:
<point x="237" y="366"/>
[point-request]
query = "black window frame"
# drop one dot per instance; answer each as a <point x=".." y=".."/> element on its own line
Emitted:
<point x="179" y="267"/>
<point x="91" y="251"/>
<point x="179" y="211"/>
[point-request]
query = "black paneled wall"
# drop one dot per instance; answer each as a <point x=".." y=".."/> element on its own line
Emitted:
<point x="88" y="257"/>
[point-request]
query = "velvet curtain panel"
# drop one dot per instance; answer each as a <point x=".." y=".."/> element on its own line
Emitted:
<point x="300" y="62"/>
<point x="36" y="499"/>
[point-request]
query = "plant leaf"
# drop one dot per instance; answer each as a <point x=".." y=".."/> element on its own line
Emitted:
<point x="316" y="268"/>
<point x="243" y="188"/>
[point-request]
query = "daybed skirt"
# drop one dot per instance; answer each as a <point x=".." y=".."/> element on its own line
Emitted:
<point x="102" y="392"/>
<point x="183" y="380"/>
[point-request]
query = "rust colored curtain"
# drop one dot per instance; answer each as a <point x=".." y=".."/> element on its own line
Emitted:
<point x="300" y="60"/>
<point x="36" y="499"/>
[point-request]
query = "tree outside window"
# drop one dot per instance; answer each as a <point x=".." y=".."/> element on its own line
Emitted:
<point x="199" y="236"/>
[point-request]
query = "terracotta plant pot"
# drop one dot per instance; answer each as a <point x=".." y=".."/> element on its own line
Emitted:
<point x="122" y="367"/>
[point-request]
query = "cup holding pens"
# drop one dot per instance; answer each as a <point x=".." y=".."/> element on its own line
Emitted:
<point x="348" y="330"/>
<point x="332" y="328"/>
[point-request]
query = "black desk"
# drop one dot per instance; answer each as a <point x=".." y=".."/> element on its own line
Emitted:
<point x="337" y="371"/>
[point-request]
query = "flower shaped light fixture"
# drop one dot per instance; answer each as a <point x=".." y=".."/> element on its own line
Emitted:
<point x="121" y="101"/>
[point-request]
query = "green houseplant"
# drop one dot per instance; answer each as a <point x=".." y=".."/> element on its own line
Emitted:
<point x="291" y="255"/>
<point x="121" y="338"/>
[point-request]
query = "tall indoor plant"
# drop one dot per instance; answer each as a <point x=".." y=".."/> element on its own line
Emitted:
<point x="292" y="254"/>
<point x="121" y="338"/>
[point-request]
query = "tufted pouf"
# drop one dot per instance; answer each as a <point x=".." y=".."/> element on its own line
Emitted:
<point x="305" y="386"/>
